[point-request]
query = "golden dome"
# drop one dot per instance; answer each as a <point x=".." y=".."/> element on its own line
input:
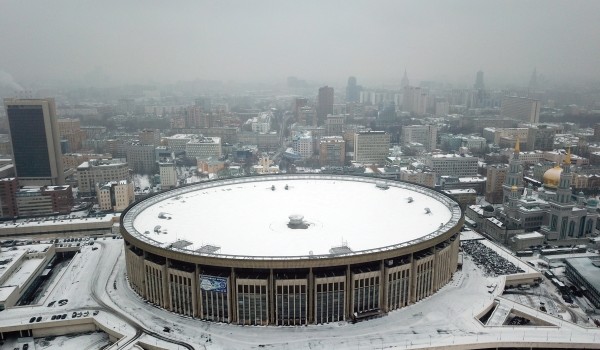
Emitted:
<point x="552" y="177"/>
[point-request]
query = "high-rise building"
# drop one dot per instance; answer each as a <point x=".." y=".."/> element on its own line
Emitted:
<point x="404" y="82"/>
<point x="35" y="141"/>
<point x="334" y="125"/>
<point x="495" y="177"/>
<point x="332" y="151"/>
<point x="533" y="81"/>
<point x="423" y="134"/>
<point x="371" y="147"/>
<point x="414" y="100"/>
<point x="514" y="178"/>
<point x="479" y="85"/>
<point x="352" y="90"/>
<point x="141" y="158"/>
<point x="70" y="130"/>
<point x="521" y="108"/>
<point x="168" y="174"/>
<point x="324" y="103"/>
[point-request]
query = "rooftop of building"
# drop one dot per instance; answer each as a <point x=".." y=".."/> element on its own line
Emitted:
<point x="588" y="268"/>
<point x="252" y="217"/>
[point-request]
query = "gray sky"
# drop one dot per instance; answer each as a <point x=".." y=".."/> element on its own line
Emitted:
<point x="324" y="41"/>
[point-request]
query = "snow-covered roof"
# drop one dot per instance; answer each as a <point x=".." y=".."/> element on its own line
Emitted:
<point x="250" y="216"/>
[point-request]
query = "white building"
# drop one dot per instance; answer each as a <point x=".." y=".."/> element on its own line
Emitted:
<point x="452" y="164"/>
<point x="521" y="108"/>
<point x="204" y="147"/>
<point x="262" y="122"/>
<point x="302" y="143"/>
<point x="423" y="134"/>
<point x="99" y="171"/>
<point x="168" y="174"/>
<point x="177" y="142"/>
<point x="115" y="195"/>
<point x="414" y="100"/>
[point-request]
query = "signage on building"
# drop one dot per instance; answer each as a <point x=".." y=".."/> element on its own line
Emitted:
<point x="213" y="283"/>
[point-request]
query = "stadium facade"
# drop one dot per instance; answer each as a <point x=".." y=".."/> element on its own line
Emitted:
<point x="350" y="248"/>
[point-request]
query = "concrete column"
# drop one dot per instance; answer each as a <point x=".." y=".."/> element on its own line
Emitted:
<point x="271" y="297"/>
<point x="195" y="294"/>
<point x="232" y="307"/>
<point x="165" y="282"/>
<point x="348" y="294"/>
<point x="412" y="294"/>
<point x="383" y="291"/>
<point x="311" y="297"/>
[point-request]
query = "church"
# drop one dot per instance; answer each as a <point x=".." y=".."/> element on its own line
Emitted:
<point x="552" y="209"/>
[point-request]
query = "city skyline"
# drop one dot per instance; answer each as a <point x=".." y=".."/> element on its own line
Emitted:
<point x="103" y="44"/>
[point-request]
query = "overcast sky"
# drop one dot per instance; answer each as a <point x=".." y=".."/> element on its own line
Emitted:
<point x="323" y="41"/>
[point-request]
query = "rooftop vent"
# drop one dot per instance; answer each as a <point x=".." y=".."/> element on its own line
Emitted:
<point x="297" y="222"/>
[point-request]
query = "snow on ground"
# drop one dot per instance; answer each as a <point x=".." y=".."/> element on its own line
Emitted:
<point x="445" y="318"/>
<point x="81" y="341"/>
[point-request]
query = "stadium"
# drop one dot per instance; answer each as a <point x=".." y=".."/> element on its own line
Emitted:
<point x="291" y="249"/>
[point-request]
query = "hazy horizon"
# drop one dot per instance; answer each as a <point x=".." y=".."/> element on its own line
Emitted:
<point x="113" y="42"/>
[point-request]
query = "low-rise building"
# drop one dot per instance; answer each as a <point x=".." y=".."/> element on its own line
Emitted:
<point x="96" y="171"/>
<point x="115" y="195"/>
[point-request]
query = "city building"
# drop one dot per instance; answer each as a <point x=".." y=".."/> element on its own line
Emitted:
<point x="210" y="165"/>
<point x="324" y="104"/>
<point x="404" y="82"/>
<point x="521" y="108"/>
<point x="332" y="151"/>
<point x="46" y="200"/>
<point x="265" y="166"/>
<point x="334" y="125"/>
<point x="95" y="171"/>
<point x="8" y="197"/>
<point x="287" y="278"/>
<point x="495" y="178"/>
<point x="507" y="137"/>
<point x="262" y="122"/>
<point x="423" y="134"/>
<point x="458" y="165"/>
<point x="203" y="147"/>
<point x="115" y="195"/>
<point x="141" y="158"/>
<point x="149" y="137"/>
<point x="70" y="130"/>
<point x="352" y="90"/>
<point x="420" y="177"/>
<point x="35" y="141"/>
<point x="584" y="272"/>
<point x="415" y="100"/>
<point x="302" y="143"/>
<point x="73" y="160"/>
<point x="479" y="85"/>
<point x="167" y="173"/>
<point x="464" y="197"/>
<point x="371" y="147"/>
